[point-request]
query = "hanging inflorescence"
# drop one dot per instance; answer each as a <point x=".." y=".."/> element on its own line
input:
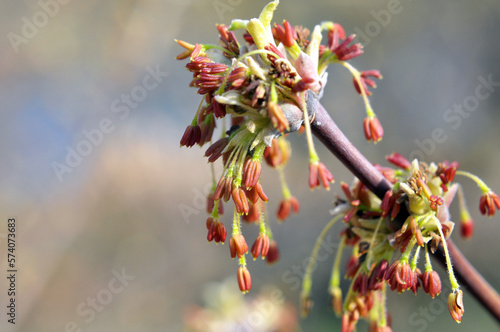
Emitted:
<point x="385" y="254"/>
<point x="259" y="91"/>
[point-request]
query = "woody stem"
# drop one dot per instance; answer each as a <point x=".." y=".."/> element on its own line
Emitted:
<point x="325" y="129"/>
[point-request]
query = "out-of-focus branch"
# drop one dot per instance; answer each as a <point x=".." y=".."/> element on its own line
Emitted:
<point x="325" y="129"/>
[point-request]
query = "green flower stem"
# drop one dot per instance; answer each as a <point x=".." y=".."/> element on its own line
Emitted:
<point x="313" y="155"/>
<point x="464" y="212"/>
<point x="405" y="258"/>
<point x="194" y="122"/>
<point x="217" y="47"/>
<point x="236" y="223"/>
<point x="357" y="76"/>
<point x="215" y="210"/>
<point x="335" y="278"/>
<point x="262" y="224"/>
<point x="372" y="241"/>
<point x="483" y="186"/>
<point x="307" y="281"/>
<point x="284" y="187"/>
<point x="242" y="261"/>
<point x="383" y="318"/>
<point x="453" y="280"/>
<point x="428" y="265"/>
<point x="269" y="231"/>
<point x="414" y="261"/>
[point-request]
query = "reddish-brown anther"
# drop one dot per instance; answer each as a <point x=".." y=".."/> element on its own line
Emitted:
<point x="219" y="109"/>
<point x="319" y="174"/>
<point x="253" y="213"/>
<point x="224" y="188"/>
<point x="403" y="236"/>
<point x="415" y="230"/>
<point x="216" y="230"/>
<point x="240" y="200"/>
<point x="352" y="266"/>
<point x="360" y="285"/>
<point x="348" y="324"/>
<point x="415" y="284"/>
<point x="387" y="203"/>
<point x="260" y="247"/>
<point x="255" y="193"/>
<point x="345" y="52"/>
<point x="214" y="151"/>
<point x="488" y="202"/>
<point x="278" y="153"/>
<point x="244" y="279"/>
<point x="335" y="35"/>
<point x="373" y="129"/>
<point x="251" y="172"/>
<point x="229" y="40"/>
<point x="431" y="283"/>
<point x="456" y="305"/>
<point x="395" y="210"/>
<point x="400" y="276"/>
<point x="366" y="81"/>
<point x="286" y="206"/>
<point x="191" y="50"/>
<point x="207" y="126"/>
<point x="192" y="136"/>
<point x="377" y="275"/>
<point x="446" y="172"/>
<point x="347" y="191"/>
<point x="277" y="117"/>
<point x="248" y="38"/>
<point x="211" y="203"/>
<point x="274" y="49"/>
<point x="237" y="77"/>
<point x="285" y="34"/>
<point x="238" y="246"/>
<point x="398" y="160"/>
<point x="273" y="254"/>
<point x="387" y="172"/>
<point x="352" y="212"/>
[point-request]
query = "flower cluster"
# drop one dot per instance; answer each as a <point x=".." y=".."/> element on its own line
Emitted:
<point x="258" y="90"/>
<point x="385" y="253"/>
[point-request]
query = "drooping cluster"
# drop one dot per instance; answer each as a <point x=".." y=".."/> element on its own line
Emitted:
<point x="257" y="89"/>
<point x="385" y="253"/>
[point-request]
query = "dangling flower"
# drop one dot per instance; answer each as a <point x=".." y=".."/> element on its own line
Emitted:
<point x="192" y="136"/>
<point x="456" y="305"/>
<point x="318" y="172"/>
<point x="345" y="52"/>
<point x="261" y="246"/>
<point x="431" y="283"/>
<point x="366" y="81"/>
<point x="273" y="253"/>
<point x="244" y="279"/>
<point x="216" y="230"/>
<point x="286" y="206"/>
<point x="373" y="129"/>
<point x="238" y="245"/>
<point x="489" y="203"/>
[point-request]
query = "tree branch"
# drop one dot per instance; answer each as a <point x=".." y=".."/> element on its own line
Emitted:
<point x="325" y="129"/>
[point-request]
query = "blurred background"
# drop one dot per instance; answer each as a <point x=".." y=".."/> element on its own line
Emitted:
<point x="110" y="211"/>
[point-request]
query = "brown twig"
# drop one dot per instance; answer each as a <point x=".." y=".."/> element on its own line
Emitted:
<point x="325" y="129"/>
